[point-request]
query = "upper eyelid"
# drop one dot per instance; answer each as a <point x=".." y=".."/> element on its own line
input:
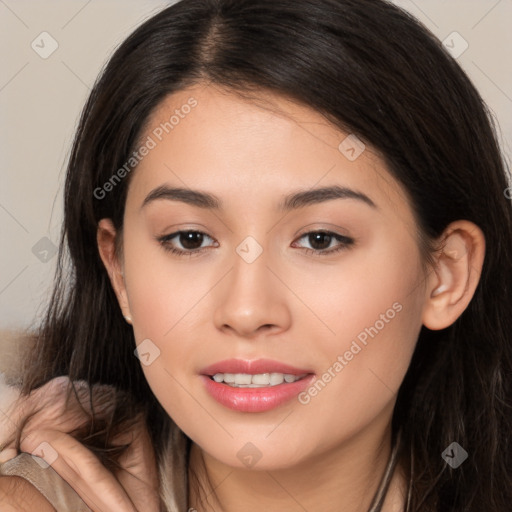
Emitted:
<point x="318" y="230"/>
<point x="170" y="236"/>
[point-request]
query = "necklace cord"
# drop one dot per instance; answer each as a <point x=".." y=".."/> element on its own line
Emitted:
<point x="380" y="494"/>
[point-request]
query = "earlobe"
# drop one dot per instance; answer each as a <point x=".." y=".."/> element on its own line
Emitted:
<point x="453" y="282"/>
<point x="106" y="239"/>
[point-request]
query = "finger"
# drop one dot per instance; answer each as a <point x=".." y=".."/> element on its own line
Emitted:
<point x="8" y="453"/>
<point x="139" y="476"/>
<point x="139" y="458"/>
<point x="143" y="497"/>
<point x="42" y="407"/>
<point x="97" y="486"/>
<point x="61" y="405"/>
<point x="18" y="407"/>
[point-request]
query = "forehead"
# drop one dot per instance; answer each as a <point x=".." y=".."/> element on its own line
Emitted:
<point x="256" y="149"/>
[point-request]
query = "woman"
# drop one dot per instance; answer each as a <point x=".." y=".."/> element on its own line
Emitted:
<point x="295" y="212"/>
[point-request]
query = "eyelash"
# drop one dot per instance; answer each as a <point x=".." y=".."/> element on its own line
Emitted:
<point x="345" y="243"/>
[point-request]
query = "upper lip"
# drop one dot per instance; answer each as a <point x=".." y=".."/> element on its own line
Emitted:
<point x="257" y="366"/>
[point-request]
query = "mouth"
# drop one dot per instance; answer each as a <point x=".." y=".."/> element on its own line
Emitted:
<point x="254" y="386"/>
<point x="259" y="380"/>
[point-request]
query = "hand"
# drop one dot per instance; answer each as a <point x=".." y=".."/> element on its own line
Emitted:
<point x="56" y="413"/>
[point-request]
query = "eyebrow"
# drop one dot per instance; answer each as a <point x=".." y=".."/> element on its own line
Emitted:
<point x="292" y="201"/>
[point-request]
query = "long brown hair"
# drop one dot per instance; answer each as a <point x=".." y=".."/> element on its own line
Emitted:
<point x="372" y="70"/>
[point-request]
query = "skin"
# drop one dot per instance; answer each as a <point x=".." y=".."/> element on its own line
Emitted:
<point x="289" y="305"/>
<point x="19" y="495"/>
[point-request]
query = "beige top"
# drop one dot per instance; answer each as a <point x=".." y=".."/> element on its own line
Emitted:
<point x="46" y="480"/>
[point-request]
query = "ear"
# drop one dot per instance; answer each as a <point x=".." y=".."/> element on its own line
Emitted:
<point x="106" y="238"/>
<point x="452" y="284"/>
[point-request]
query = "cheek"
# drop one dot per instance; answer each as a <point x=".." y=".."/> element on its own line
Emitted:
<point x="362" y="371"/>
<point x="162" y="291"/>
<point x="371" y="317"/>
<point x="377" y="319"/>
<point x="165" y="302"/>
<point x="373" y="293"/>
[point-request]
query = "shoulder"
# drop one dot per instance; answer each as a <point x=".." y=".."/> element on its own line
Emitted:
<point x="19" y="495"/>
<point x="34" y="474"/>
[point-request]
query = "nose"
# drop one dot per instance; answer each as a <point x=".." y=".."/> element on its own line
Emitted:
<point x="251" y="300"/>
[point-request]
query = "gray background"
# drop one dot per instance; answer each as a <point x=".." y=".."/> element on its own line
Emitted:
<point x="41" y="98"/>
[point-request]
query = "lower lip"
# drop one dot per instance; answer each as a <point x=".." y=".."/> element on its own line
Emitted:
<point x="255" y="399"/>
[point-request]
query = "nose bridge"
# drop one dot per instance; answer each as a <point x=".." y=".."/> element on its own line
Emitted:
<point x="251" y="297"/>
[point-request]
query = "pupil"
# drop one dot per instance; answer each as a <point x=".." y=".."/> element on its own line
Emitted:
<point x="323" y="239"/>
<point x="189" y="239"/>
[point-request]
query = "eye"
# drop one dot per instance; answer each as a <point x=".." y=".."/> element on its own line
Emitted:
<point x="322" y="242"/>
<point x="191" y="242"/>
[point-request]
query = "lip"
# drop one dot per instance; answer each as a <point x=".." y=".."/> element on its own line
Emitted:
<point x="253" y="367"/>
<point x="254" y="399"/>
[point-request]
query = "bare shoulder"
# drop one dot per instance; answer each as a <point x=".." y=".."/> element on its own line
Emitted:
<point x="19" y="495"/>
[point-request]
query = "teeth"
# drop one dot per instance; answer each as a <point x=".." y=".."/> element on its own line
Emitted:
<point x="243" y="378"/>
<point x="260" y="378"/>
<point x="246" y="380"/>
<point x="276" y="378"/>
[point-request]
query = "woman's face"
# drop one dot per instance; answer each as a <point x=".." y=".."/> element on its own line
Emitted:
<point x="258" y="281"/>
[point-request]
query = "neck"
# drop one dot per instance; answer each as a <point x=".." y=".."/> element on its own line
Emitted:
<point x="344" y="478"/>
